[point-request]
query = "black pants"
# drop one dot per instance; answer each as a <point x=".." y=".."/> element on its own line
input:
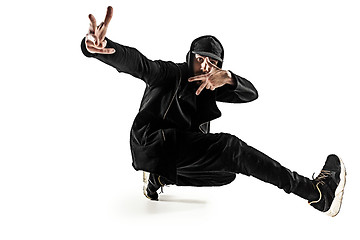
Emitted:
<point x="214" y="159"/>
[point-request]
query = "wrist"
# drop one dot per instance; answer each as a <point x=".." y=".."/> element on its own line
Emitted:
<point x="230" y="80"/>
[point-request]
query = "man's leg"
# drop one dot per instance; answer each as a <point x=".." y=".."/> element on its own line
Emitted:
<point x="212" y="158"/>
<point x="257" y="164"/>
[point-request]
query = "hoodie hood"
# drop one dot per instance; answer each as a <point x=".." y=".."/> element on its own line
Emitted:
<point x="207" y="46"/>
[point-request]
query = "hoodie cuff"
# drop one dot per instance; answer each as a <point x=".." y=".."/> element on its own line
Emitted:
<point x="236" y="82"/>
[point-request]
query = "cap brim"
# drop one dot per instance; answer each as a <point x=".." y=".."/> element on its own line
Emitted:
<point x="208" y="54"/>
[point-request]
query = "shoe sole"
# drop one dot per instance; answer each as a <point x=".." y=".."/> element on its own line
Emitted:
<point x="339" y="192"/>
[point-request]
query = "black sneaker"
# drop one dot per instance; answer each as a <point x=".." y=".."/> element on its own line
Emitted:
<point x="152" y="183"/>
<point x="330" y="183"/>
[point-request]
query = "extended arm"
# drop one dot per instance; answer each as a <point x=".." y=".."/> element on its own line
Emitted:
<point x="124" y="59"/>
<point x="130" y="60"/>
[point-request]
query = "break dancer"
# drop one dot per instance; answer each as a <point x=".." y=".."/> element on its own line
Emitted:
<point x="170" y="136"/>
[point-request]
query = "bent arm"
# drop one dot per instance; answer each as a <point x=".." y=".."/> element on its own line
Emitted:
<point x="242" y="91"/>
<point x="130" y="60"/>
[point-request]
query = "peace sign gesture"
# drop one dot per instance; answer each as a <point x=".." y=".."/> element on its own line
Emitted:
<point x="95" y="39"/>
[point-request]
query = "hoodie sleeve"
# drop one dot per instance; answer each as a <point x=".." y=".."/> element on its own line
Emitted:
<point x="129" y="60"/>
<point x="243" y="91"/>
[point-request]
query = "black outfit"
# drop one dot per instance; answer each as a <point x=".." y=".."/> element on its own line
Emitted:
<point x="170" y="134"/>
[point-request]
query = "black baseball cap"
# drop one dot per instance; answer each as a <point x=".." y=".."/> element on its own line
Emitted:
<point x="208" y="46"/>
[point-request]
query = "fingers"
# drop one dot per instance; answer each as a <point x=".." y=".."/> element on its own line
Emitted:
<point x="92" y="23"/>
<point x="93" y="48"/>
<point x="100" y="26"/>
<point x="100" y="46"/>
<point x="202" y="77"/>
<point x="207" y="59"/>
<point x="109" y="14"/>
<point x="90" y="43"/>
<point x="202" y="86"/>
<point x="205" y="83"/>
<point x="92" y="39"/>
<point x="99" y="32"/>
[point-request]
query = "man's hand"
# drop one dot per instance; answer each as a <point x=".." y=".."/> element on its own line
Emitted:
<point x="95" y="39"/>
<point x="214" y="79"/>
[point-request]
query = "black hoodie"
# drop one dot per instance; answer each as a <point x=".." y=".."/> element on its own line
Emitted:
<point x="169" y="105"/>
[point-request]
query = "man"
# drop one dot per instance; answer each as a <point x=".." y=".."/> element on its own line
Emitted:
<point x="170" y="136"/>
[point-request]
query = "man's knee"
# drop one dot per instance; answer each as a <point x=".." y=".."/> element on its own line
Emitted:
<point x="234" y="153"/>
<point x="233" y="142"/>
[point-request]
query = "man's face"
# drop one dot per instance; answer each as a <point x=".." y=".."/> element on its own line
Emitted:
<point x="201" y="64"/>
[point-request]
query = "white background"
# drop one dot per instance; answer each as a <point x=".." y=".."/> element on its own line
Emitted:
<point x="65" y="162"/>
